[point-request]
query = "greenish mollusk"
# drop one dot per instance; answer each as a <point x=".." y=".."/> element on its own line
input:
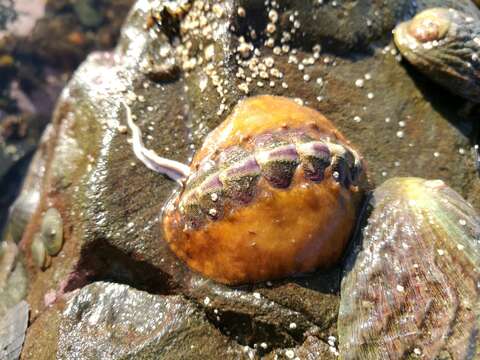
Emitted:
<point x="39" y="252"/>
<point x="52" y="231"/>
<point x="411" y="287"/>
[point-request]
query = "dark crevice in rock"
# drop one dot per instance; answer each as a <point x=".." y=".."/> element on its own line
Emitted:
<point x="248" y="25"/>
<point x="446" y="103"/>
<point x="103" y="262"/>
<point x="249" y="327"/>
<point x="168" y="22"/>
<point x="247" y="330"/>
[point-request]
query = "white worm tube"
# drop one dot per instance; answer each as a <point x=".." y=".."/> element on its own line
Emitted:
<point x="173" y="169"/>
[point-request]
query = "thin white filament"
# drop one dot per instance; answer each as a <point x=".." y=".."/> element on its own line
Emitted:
<point x="173" y="169"/>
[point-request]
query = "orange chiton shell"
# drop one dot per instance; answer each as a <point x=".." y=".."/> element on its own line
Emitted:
<point x="274" y="191"/>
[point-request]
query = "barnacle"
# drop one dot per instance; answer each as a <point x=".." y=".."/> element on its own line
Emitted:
<point x="52" y="231"/>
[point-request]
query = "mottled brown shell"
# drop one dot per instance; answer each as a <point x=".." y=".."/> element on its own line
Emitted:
<point x="275" y="191"/>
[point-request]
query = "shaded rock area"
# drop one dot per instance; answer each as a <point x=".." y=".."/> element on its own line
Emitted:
<point x="182" y="70"/>
<point x="115" y="321"/>
<point x="41" y="44"/>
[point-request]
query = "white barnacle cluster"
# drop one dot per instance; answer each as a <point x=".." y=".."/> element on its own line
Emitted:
<point x="257" y="66"/>
<point x="200" y="52"/>
<point x="202" y="55"/>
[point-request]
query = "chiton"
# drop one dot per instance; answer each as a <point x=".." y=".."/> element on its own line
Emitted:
<point x="273" y="191"/>
<point x="411" y="287"/>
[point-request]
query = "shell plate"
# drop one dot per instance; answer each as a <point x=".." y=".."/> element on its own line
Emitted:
<point x="274" y="181"/>
<point x="445" y="45"/>
<point x="39" y="252"/>
<point x="411" y="290"/>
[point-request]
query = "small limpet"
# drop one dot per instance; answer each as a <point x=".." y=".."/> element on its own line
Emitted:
<point x="52" y="231"/>
<point x="39" y="252"/>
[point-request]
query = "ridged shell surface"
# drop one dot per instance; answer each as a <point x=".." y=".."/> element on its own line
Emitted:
<point x="411" y="287"/>
<point x="444" y="44"/>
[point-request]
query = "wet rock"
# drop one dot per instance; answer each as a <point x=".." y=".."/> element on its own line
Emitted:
<point x="311" y="349"/>
<point x="12" y="331"/>
<point x="13" y="278"/>
<point x="41" y="43"/>
<point x="111" y="321"/>
<point x="339" y="26"/>
<point x="111" y="205"/>
<point x="41" y="341"/>
<point x="111" y="224"/>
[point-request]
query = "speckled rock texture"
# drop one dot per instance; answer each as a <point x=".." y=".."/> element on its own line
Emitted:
<point x="182" y="76"/>
<point x="115" y="321"/>
<point x="41" y="43"/>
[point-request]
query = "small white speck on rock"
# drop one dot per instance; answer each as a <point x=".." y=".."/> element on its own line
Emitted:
<point x="359" y="83"/>
<point x="290" y="354"/>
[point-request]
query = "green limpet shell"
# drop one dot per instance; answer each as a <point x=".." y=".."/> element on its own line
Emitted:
<point x="52" y="231"/>
<point x="39" y="252"/>
<point x="411" y="287"/>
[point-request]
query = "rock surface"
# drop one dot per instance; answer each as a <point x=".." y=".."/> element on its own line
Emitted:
<point x="115" y="321"/>
<point x="13" y="326"/>
<point x="181" y="81"/>
<point x="41" y="44"/>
